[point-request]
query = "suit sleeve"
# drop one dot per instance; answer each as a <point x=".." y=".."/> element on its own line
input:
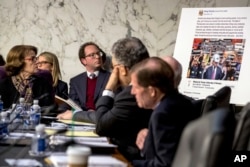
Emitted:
<point x="114" y="117"/>
<point x="165" y="140"/>
<point x="85" y="116"/>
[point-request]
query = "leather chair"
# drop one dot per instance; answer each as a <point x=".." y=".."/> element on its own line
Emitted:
<point x="221" y="98"/>
<point x="242" y="132"/>
<point x="207" y="141"/>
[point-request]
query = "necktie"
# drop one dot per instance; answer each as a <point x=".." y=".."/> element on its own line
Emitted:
<point x="214" y="73"/>
<point x="92" y="76"/>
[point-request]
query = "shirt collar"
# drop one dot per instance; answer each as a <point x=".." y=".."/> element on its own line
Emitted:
<point x="96" y="73"/>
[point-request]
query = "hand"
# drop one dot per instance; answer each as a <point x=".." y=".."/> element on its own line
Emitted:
<point x="141" y="136"/>
<point x="113" y="82"/>
<point x="66" y="115"/>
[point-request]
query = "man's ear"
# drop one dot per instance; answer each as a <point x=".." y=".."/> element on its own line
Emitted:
<point x="83" y="61"/>
<point x="152" y="91"/>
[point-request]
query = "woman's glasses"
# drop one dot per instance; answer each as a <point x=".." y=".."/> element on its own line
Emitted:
<point x="39" y="63"/>
<point x="32" y="58"/>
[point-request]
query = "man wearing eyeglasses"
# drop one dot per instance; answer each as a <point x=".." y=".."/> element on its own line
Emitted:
<point x="87" y="87"/>
<point x="118" y="115"/>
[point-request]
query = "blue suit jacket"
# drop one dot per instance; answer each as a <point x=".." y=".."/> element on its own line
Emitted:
<point x="78" y="87"/>
<point x="165" y="127"/>
<point x="209" y="72"/>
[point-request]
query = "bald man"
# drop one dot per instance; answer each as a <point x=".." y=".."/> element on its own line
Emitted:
<point x="154" y="88"/>
<point x="177" y="68"/>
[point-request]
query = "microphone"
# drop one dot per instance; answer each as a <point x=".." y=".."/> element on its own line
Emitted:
<point x="43" y="96"/>
<point x="48" y="109"/>
<point x="48" y="114"/>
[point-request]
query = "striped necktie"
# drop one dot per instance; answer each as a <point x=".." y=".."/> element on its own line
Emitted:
<point x="92" y="76"/>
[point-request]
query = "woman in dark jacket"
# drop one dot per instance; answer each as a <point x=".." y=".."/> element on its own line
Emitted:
<point x="21" y="80"/>
<point x="48" y="61"/>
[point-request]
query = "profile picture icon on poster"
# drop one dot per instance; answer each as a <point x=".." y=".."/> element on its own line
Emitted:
<point x="200" y="12"/>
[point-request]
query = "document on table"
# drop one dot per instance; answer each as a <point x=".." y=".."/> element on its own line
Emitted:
<point x="20" y="135"/>
<point x="69" y="102"/>
<point x="23" y="162"/>
<point x="107" y="161"/>
<point x="73" y="128"/>
<point x="66" y="121"/>
<point x="101" y="142"/>
<point x="60" y="160"/>
<point x="71" y="133"/>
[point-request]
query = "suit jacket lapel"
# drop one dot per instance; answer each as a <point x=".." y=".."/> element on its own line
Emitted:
<point x="99" y="84"/>
<point x="82" y="88"/>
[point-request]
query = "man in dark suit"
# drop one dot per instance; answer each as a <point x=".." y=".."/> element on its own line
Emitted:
<point x="214" y="71"/>
<point x="177" y="68"/>
<point x="87" y="87"/>
<point x="154" y="86"/>
<point x="119" y="117"/>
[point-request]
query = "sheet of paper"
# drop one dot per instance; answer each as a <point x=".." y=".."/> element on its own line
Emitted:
<point x="214" y="37"/>
<point x="23" y="162"/>
<point x="73" y="133"/>
<point x="86" y="139"/>
<point x="60" y="159"/>
<point x="19" y="134"/>
<point x="69" y="102"/>
<point x="108" y="161"/>
<point x="75" y="122"/>
<point x="97" y="144"/>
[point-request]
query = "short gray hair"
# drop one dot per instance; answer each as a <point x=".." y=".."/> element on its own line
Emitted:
<point x="129" y="51"/>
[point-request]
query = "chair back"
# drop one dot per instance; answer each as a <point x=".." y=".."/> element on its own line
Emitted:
<point x="221" y="98"/>
<point x="242" y="132"/>
<point x="207" y="141"/>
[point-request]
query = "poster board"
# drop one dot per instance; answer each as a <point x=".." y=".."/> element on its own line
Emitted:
<point x="214" y="36"/>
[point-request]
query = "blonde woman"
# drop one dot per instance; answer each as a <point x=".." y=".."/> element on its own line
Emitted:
<point x="48" y="61"/>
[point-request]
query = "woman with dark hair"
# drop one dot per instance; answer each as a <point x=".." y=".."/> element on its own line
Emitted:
<point x="21" y="80"/>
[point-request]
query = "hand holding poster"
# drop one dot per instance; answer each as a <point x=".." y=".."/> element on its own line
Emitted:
<point x="213" y="48"/>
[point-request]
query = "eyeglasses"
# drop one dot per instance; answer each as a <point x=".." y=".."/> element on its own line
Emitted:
<point x="93" y="55"/>
<point x="43" y="62"/>
<point x="32" y="58"/>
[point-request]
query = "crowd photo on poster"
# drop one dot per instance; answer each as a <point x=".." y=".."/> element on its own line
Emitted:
<point x="216" y="59"/>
